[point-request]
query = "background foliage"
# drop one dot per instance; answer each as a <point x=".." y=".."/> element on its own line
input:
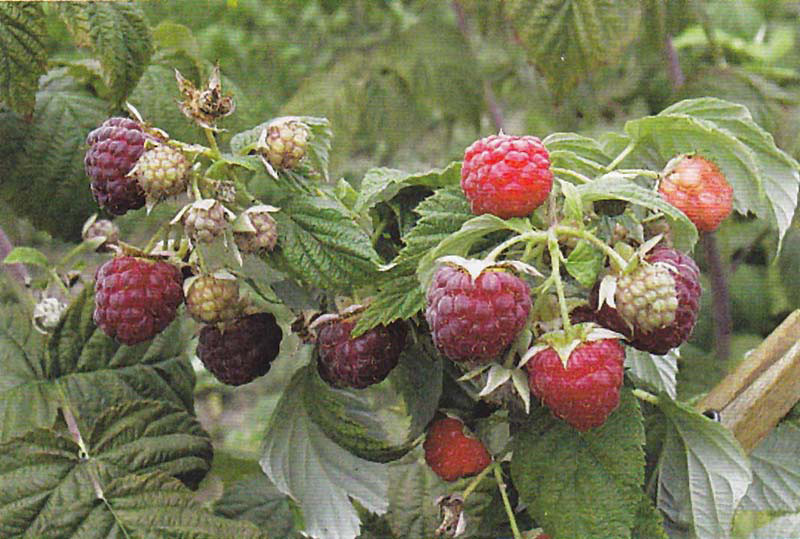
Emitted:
<point x="406" y="85"/>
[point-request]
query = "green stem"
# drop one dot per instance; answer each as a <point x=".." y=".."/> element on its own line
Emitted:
<point x="55" y="277"/>
<point x="475" y="482"/>
<point x="623" y="154"/>
<point x="555" y="262"/>
<point x="641" y="394"/>
<point x="533" y="237"/>
<point x="591" y="238"/>
<point x="567" y="172"/>
<point x="641" y="172"/>
<point x="196" y="189"/>
<point x="154" y="238"/>
<point x="501" y="485"/>
<point x="708" y="30"/>
<point x="212" y="141"/>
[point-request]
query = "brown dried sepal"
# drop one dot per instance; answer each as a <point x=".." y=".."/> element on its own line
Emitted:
<point x="205" y="106"/>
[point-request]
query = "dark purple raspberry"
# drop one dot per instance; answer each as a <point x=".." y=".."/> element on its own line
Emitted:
<point x="114" y="148"/>
<point x="344" y="361"/>
<point x="136" y="298"/>
<point x="656" y="304"/>
<point x="474" y="321"/>
<point x="243" y="350"/>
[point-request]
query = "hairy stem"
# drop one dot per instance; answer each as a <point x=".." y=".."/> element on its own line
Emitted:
<point x="720" y="296"/>
<point x="641" y="394"/>
<point x="555" y="263"/>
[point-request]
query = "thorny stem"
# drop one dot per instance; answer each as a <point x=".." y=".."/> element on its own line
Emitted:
<point x="555" y="262"/>
<point x="501" y="485"/>
<point x="720" y="297"/>
<point x="622" y="155"/>
<point x="645" y="396"/>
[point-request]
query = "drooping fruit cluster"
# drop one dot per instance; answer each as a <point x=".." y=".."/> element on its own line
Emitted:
<point x="474" y="320"/>
<point x="241" y="351"/>
<point x="585" y="391"/>
<point x="264" y="235"/>
<point x="507" y="176"/>
<point x="451" y="453"/>
<point x="698" y="188"/>
<point x="114" y="148"/>
<point x="344" y="361"/>
<point x="136" y="298"/>
<point x="656" y="304"/>
<point x="211" y="299"/>
<point x="283" y="144"/>
<point x="162" y="172"/>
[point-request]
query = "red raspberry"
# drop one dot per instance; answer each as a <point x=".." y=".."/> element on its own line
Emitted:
<point x="506" y="176"/>
<point x="114" y="148"/>
<point x="361" y="362"/>
<point x="450" y="453"/>
<point x="474" y="321"/>
<point x="656" y="304"/>
<point x="697" y="187"/>
<point x="586" y="391"/>
<point x="136" y="298"/>
<point x="243" y="350"/>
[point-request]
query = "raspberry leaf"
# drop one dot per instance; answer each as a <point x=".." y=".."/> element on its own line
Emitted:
<point x="776" y="473"/>
<point x="572" y="152"/>
<point x="321" y="476"/>
<point x="400" y="295"/>
<point x="655" y="373"/>
<point x="568" y="40"/>
<point x="99" y="485"/>
<point x="617" y="186"/>
<point x="704" y="472"/>
<point x="22" y="40"/>
<point x="582" y="485"/>
<point x="258" y="501"/>
<point x="764" y="178"/>
<point x="585" y="263"/>
<point x="381" y="422"/>
<point x="51" y="168"/>
<point x="87" y="368"/>
<point x="382" y="184"/>
<point x="118" y="34"/>
<point x="321" y="244"/>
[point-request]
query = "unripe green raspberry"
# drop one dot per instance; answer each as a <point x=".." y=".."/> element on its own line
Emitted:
<point x="205" y="220"/>
<point x="162" y="172"/>
<point x="211" y="299"/>
<point x="265" y="235"/>
<point x="285" y="143"/>
<point x="647" y="297"/>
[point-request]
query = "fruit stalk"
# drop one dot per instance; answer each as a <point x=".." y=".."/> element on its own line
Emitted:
<point x="555" y="261"/>
<point x="501" y="485"/>
<point x="720" y="297"/>
<point x="18" y="273"/>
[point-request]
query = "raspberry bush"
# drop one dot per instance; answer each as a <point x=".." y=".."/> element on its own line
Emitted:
<point x="508" y="345"/>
